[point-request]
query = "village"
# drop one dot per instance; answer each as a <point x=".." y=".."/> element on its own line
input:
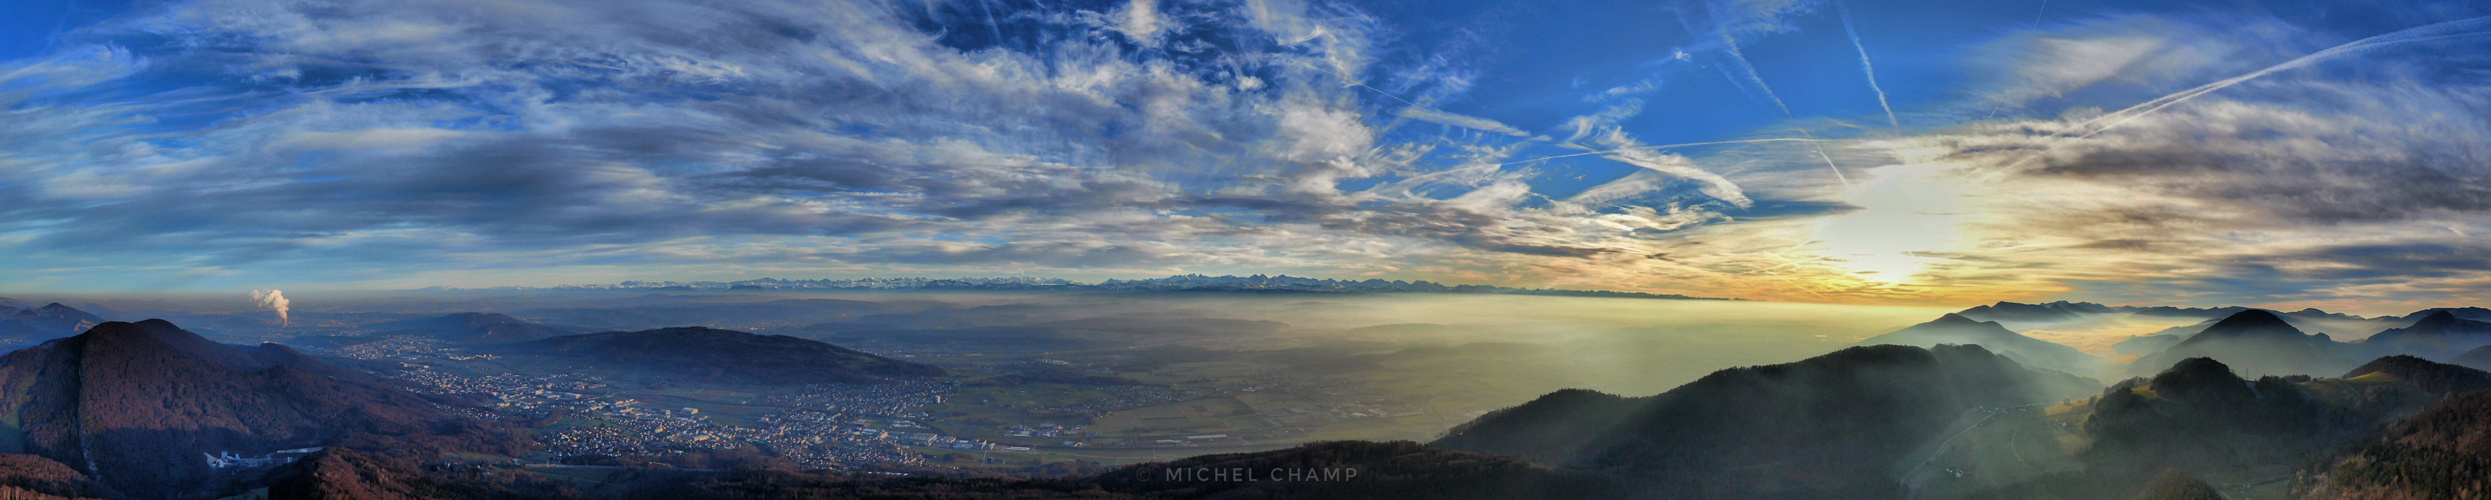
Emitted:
<point x="839" y="426"/>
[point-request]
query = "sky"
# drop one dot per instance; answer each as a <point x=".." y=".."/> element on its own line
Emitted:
<point x="2302" y="153"/>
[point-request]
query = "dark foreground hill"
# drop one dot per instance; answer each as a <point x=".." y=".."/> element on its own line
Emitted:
<point x="32" y="477"/>
<point x="2200" y="419"/>
<point x="2442" y="452"/>
<point x="137" y="406"/>
<point x="722" y="355"/>
<point x="1400" y="470"/>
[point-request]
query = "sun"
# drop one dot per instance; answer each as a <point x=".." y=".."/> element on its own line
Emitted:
<point x="1906" y="214"/>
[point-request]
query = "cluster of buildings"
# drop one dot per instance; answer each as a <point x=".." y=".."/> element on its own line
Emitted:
<point x="822" y="426"/>
<point x="896" y="399"/>
<point x="229" y="460"/>
<point x="516" y="391"/>
<point x="399" y="347"/>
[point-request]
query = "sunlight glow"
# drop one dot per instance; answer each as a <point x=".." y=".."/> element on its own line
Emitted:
<point x="1906" y="211"/>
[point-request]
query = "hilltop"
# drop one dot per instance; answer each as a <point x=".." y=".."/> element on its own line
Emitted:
<point x="1958" y="329"/>
<point x="135" y="406"/>
<point x="36" y="324"/>
<point x="1827" y="426"/>
<point x="2259" y="342"/>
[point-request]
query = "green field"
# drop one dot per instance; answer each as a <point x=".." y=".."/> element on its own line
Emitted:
<point x="1213" y="416"/>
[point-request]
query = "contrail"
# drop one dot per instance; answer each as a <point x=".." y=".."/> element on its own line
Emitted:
<point x="2424" y="33"/>
<point x="1731" y="44"/>
<point x="1866" y="67"/>
<point x="274" y="300"/>
<point x="1829" y="160"/>
<point x="991" y="25"/>
<point x="1662" y="146"/>
<point x="2045" y="7"/>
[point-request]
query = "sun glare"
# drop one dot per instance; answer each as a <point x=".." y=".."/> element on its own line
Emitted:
<point x="1905" y="213"/>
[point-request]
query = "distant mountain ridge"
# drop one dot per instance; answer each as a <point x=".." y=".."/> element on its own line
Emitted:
<point x="1958" y="329"/>
<point x="2259" y="342"/>
<point x="1176" y="283"/>
<point x="723" y="354"/>
<point x="478" y="328"/>
<point x="2065" y="310"/>
<point x="2438" y="335"/>
<point x="2470" y="313"/>
<point x="36" y="324"/>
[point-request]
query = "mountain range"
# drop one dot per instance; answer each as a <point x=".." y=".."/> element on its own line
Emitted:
<point x="1825" y="427"/>
<point x="2251" y="341"/>
<point x="475" y="328"/>
<point x="2066" y="310"/>
<point x="1958" y="329"/>
<point x="2260" y="342"/>
<point x="27" y="325"/>
<point x="2438" y="335"/>
<point x="1177" y="283"/>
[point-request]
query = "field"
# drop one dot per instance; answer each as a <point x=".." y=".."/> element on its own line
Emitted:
<point x="1200" y="416"/>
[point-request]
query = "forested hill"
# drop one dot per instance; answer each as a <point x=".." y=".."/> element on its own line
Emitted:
<point x="137" y="405"/>
<point x="1825" y="426"/>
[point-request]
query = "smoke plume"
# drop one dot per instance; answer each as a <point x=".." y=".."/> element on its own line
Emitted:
<point x="274" y="300"/>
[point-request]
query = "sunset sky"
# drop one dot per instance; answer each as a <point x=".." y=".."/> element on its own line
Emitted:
<point x="2295" y="153"/>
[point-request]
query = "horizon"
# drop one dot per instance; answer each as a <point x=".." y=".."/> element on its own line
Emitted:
<point x="1807" y="151"/>
<point x="252" y="302"/>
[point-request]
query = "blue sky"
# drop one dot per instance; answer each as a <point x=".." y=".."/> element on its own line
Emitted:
<point x="2320" y="153"/>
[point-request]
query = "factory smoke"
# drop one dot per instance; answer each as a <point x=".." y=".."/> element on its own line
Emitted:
<point x="274" y="300"/>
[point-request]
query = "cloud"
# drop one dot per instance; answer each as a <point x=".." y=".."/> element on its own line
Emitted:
<point x="268" y="143"/>
<point x="658" y="133"/>
<point x="2313" y="188"/>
